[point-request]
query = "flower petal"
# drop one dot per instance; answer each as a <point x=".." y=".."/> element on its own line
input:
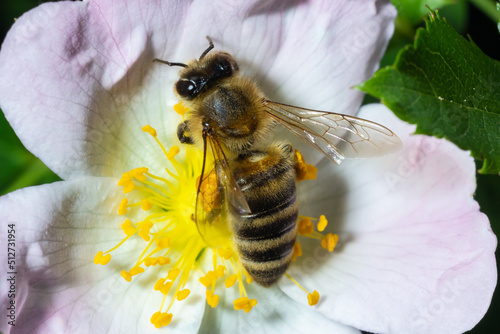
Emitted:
<point x="77" y="84"/>
<point x="413" y="244"/>
<point x="274" y="313"/>
<point x="59" y="228"/>
<point x="78" y="81"/>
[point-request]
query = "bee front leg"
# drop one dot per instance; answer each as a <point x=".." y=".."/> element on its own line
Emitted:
<point x="183" y="133"/>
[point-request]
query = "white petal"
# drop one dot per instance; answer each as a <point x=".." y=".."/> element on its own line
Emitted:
<point x="59" y="229"/>
<point x="274" y="313"/>
<point x="77" y="91"/>
<point x="413" y="244"/>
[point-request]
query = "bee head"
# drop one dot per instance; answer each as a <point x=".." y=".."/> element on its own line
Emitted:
<point x="200" y="75"/>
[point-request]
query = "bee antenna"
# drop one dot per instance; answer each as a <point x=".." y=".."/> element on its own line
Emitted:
<point x="169" y="63"/>
<point x="210" y="47"/>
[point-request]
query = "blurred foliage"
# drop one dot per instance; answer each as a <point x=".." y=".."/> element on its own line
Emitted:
<point x="19" y="168"/>
<point x="478" y="18"/>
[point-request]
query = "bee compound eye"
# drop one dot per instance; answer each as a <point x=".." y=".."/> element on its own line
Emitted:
<point x="223" y="68"/>
<point x="186" y="88"/>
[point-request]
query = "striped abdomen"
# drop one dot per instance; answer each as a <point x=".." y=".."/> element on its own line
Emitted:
<point x="266" y="237"/>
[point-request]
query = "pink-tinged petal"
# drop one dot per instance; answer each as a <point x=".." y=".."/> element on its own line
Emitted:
<point x="307" y="53"/>
<point x="413" y="243"/>
<point x="78" y="81"/>
<point x="77" y="85"/>
<point x="59" y="228"/>
<point x="275" y="313"/>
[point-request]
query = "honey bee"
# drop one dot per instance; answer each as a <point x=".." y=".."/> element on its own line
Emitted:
<point x="230" y="117"/>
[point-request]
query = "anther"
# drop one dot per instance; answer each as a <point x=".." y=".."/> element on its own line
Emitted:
<point x="322" y="223"/>
<point x="305" y="227"/>
<point x="329" y="241"/>
<point x="180" y="109"/>
<point x="149" y="129"/>
<point x="313" y="298"/>
<point x="99" y="258"/>
<point x="123" y="207"/>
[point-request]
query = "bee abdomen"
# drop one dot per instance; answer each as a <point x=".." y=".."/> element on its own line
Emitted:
<point x="265" y="238"/>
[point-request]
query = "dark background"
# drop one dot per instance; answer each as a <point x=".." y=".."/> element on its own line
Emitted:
<point x="19" y="168"/>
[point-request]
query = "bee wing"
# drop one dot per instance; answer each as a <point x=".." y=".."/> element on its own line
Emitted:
<point x="217" y="192"/>
<point x="232" y="192"/>
<point x="335" y="135"/>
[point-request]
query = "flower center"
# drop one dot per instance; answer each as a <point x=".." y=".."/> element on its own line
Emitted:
<point x="160" y="211"/>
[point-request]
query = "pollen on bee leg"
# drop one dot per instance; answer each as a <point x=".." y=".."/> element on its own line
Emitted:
<point x="303" y="170"/>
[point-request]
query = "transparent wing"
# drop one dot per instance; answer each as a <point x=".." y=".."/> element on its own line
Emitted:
<point x="335" y="135"/>
<point x="217" y="193"/>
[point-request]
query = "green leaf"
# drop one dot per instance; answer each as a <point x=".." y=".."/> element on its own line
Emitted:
<point x="448" y="87"/>
<point x="414" y="11"/>
<point x="18" y="167"/>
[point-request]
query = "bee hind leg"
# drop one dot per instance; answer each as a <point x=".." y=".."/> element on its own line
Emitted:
<point x="183" y="133"/>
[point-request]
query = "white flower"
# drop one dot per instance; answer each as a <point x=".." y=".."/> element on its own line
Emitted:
<point x="78" y="84"/>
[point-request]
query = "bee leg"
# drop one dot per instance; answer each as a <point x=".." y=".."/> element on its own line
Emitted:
<point x="183" y="133"/>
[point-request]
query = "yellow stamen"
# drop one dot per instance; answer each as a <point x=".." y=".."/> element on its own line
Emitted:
<point x="305" y="227"/>
<point x="244" y="303"/>
<point x="226" y="253"/>
<point x="322" y="223"/>
<point x="123" y="206"/>
<point x="329" y="241"/>
<point x="125" y="274"/>
<point x="102" y="259"/>
<point x="180" y="109"/>
<point x="173" y="273"/>
<point x="136" y="270"/>
<point x="144" y="230"/>
<point x="297" y="251"/>
<point x="127" y="227"/>
<point x="183" y="294"/>
<point x="169" y="231"/>
<point x="209" y="279"/>
<point x="174" y="150"/>
<point x="163" y="260"/>
<point x="230" y="281"/>
<point x="146" y="205"/>
<point x="149" y="129"/>
<point x="313" y="298"/>
<point x="161" y="319"/>
<point x="163" y="242"/>
<point x="212" y="299"/>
